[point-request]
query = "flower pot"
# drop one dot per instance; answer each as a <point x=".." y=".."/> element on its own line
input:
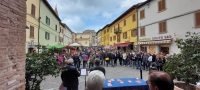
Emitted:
<point x="181" y="86"/>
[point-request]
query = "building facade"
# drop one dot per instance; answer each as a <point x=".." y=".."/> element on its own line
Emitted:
<point x="87" y="38"/>
<point x="172" y="21"/>
<point x="122" y="32"/>
<point x="98" y="34"/>
<point x="32" y="22"/>
<point x="61" y="33"/>
<point x="49" y="25"/>
<point x="68" y="35"/>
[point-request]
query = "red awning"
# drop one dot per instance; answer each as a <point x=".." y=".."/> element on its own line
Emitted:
<point x="122" y="44"/>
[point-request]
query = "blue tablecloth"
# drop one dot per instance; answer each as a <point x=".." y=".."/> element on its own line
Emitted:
<point x="126" y="85"/>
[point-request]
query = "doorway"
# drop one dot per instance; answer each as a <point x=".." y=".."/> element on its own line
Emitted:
<point x="30" y="50"/>
<point x="165" y="50"/>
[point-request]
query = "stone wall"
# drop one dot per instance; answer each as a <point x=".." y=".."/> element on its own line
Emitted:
<point x="12" y="44"/>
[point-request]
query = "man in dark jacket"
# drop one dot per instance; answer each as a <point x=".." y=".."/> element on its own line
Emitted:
<point x="76" y="61"/>
<point x="70" y="76"/>
<point x="98" y="67"/>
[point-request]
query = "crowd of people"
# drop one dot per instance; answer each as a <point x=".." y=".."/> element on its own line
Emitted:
<point x="95" y="59"/>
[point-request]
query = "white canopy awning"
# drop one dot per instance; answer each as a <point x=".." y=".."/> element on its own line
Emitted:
<point x="75" y="44"/>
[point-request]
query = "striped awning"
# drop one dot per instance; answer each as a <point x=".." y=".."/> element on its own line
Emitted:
<point x="156" y="42"/>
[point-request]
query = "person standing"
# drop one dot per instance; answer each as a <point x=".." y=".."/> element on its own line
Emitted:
<point x="70" y="76"/>
<point x="92" y="58"/>
<point x="76" y="61"/>
<point x="98" y="66"/>
<point x="149" y="61"/>
<point x="145" y="61"/>
<point x="112" y="59"/>
<point x="84" y="59"/>
<point x="107" y="59"/>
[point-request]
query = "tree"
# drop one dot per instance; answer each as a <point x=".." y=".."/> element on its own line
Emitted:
<point x="184" y="65"/>
<point x="39" y="65"/>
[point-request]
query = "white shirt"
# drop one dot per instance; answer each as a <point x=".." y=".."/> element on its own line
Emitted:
<point x="150" y="58"/>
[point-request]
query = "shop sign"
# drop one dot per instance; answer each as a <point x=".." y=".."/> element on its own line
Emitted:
<point x="162" y="37"/>
<point x="145" y="39"/>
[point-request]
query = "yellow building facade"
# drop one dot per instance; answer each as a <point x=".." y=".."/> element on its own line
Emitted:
<point x="105" y="35"/>
<point x="122" y="32"/>
<point x="83" y="39"/>
<point x="32" y="22"/>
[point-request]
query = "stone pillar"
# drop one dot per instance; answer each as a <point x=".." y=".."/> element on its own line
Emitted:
<point x="12" y="37"/>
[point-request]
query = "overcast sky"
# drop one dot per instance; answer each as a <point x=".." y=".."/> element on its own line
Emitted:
<point x="80" y="15"/>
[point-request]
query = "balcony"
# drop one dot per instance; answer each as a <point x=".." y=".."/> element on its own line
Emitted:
<point x="118" y="30"/>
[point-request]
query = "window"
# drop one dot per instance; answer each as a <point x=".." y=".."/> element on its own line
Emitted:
<point x="47" y="36"/>
<point x="107" y="30"/>
<point x="55" y="38"/>
<point x="162" y="27"/>
<point x="33" y="9"/>
<point x="31" y="32"/>
<point x="133" y="18"/>
<point x="118" y="38"/>
<point x="142" y="14"/>
<point x="142" y="31"/>
<point x="104" y="31"/>
<point x="60" y="30"/>
<point x="133" y="33"/>
<point x="56" y="27"/>
<point x="124" y="23"/>
<point x="197" y="19"/>
<point x="47" y="20"/>
<point x="114" y="37"/>
<point x="161" y="5"/>
<point x="110" y="38"/>
<point x="125" y="35"/>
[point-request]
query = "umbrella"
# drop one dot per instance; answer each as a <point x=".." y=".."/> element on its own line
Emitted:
<point x="56" y="46"/>
<point x="75" y="44"/>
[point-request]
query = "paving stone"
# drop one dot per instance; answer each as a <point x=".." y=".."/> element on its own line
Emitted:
<point x="52" y="83"/>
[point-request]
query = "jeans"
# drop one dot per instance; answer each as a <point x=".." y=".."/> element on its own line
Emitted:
<point x="76" y="64"/>
<point x="107" y="62"/>
<point x="112" y="62"/>
<point x="84" y="62"/>
<point x="145" y="65"/>
<point x="133" y="64"/>
<point x="138" y="64"/>
<point x="91" y="64"/>
<point x="149" y="64"/>
<point x="125" y="61"/>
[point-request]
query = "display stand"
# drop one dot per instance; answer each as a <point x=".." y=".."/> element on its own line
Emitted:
<point x="84" y="72"/>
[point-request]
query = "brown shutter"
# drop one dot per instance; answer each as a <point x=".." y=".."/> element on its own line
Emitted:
<point x="140" y="14"/>
<point x="164" y="26"/>
<point x="133" y="17"/>
<point x="31" y="31"/>
<point x="159" y="6"/>
<point x="143" y="30"/>
<point x="163" y="4"/>
<point x="160" y="27"/>
<point x="197" y="19"/>
<point x="143" y="13"/>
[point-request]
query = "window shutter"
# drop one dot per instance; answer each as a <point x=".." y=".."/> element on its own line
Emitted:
<point x="197" y="19"/>
<point x="34" y="10"/>
<point x="133" y="17"/>
<point x="164" y="26"/>
<point x="163" y="4"/>
<point x="143" y="30"/>
<point x="159" y="6"/>
<point x="141" y="14"/>
<point x="160" y="27"/>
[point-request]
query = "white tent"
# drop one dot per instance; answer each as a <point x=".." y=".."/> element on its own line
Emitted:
<point x="75" y="45"/>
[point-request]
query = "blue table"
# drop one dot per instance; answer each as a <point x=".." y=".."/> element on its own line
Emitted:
<point x="128" y="84"/>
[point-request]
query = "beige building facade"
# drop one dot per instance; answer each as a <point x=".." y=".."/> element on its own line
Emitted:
<point x="87" y="38"/>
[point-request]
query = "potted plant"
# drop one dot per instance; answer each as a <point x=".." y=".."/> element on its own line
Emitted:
<point x="39" y="65"/>
<point x="183" y="66"/>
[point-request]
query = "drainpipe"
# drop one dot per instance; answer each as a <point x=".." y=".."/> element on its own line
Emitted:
<point x="137" y="31"/>
<point x="39" y="28"/>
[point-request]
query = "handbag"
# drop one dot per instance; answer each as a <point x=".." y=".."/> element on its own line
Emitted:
<point x="107" y="59"/>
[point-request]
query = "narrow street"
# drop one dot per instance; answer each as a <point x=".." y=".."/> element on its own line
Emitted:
<point x="52" y="83"/>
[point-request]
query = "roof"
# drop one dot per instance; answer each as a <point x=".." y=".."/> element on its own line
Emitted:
<point x="143" y="3"/>
<point x="65" y="25"/>
<point x="125" y="13"/>
<point x="98" y="31"/>
<point x="108" y="25"/>
<point x="51" y="9"/>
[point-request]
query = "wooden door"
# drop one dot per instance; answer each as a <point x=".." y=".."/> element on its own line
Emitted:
<point x="152" y="49"/>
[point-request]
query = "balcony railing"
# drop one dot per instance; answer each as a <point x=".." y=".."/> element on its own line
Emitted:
<point x="118" y="30"/>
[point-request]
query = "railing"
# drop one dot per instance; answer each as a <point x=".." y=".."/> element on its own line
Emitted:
<point x="118" y="30"/>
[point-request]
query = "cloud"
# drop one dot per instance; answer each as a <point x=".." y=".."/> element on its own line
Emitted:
<point x="80" y="15"/>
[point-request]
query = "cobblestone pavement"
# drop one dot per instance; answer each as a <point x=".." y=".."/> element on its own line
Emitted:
<point x="52" y="83"/>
